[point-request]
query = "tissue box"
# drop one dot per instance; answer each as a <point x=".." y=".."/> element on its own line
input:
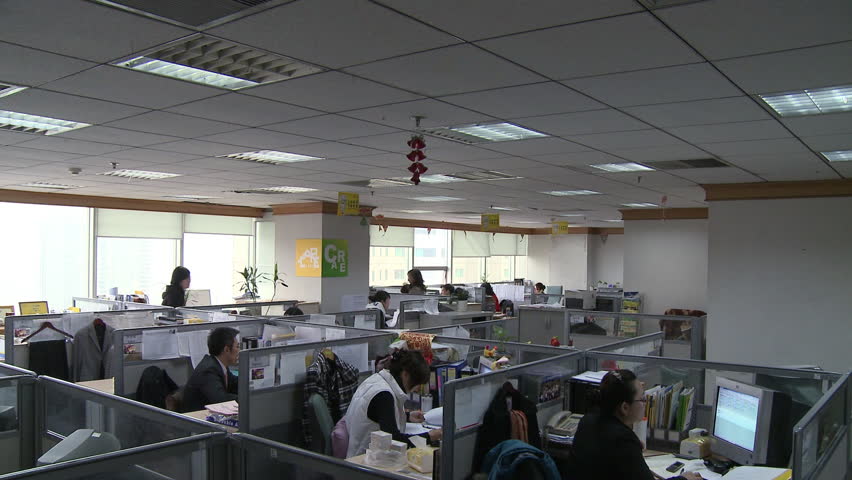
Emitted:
<point x="388" y="459"/>
<point x="380" y="440"/>
<point x="421" y="459"/>
<point x="398" y="446"/>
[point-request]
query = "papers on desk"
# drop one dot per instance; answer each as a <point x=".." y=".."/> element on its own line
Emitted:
<point x="758" y="473"/>
<point x="160" y="344"/>
<point x="660" y="463"/>
<point x="224" y="408"/>
<point x="415" y="429"/>
<point x="591" y="377"/>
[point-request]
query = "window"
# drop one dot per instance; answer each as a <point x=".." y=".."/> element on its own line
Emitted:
<point x="389" y="263"/>
<point x="399" y="275"/>
<point x="431" y="248"/>
<point x="468" y="269"/>
<point x="215" y="262"/>
<point x="500" y="268"/>
<point x="45" y="254"/>
<point x="132" y="264"/>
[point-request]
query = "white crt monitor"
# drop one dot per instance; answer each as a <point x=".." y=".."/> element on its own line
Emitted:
<point x="752" y="424"/>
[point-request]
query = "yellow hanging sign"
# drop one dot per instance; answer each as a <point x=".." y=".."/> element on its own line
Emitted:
<point x="559" y="228"/>
<point x="490" y="222"/>
<point x="348" y="203"/>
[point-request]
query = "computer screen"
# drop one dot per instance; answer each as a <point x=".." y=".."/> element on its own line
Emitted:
<point x="197" y="298"/>
<point x="736" y="418"/>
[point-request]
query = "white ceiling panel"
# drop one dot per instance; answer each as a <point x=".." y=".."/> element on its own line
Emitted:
<point x="8" y="162"/>
<point x="259" y="139"/>
<point x="834" y="123"/>
<point x="96" y="33"/>
<point x="535" y="146"/>
<point x="627" y="140"/>
<point x="701" y="112"/>
<point x="814" y="67"/>
<point x="577" y="159"/>
<point x="845" y="169"/>
<point x="595" y="48"/>
<point x="35" y="154"/>
<point x="332" y="92"/>
<point x="695" y="193"/>
<point x="104" y="162"/>
<point x="596" y="121"/>
<point x="821" y="143"/>
<point x="29" y="67"/>
<point x="385" y="160"/>
<point x="456" y="69"/>
<point x="172" y="124"/>
<point x="756" y="147"/>
<point x="434" y="113"/>
<point x="358" y="31"/>
<point x="669" y="152"/>
<point x="11" y="138"/>
<point x="398" y="142"/>
<point x="216" y="163"/>
<point x="330" y="127"/>
<point x="759" y="26"/>
<point x="525" y="101"/>
<point x="116" y="136"/>
<point x="199" y="147"/>
<point x="718" y="175"/>
<point x="460" y="154"/>
<point x="8" y="179"/>
<point x="501" y="164"/>
<point x="650" y="179"/>
<point x="731" y="132"/>
<point x="477" y="19"/>
<point x="333" y="177"/>
<point x="243" y="110"/>
<point x="152" y="156"/>
<point x="66" y="107"/>
<point x="330" y="150"/>
<point x="777" y="168"/>
<point x="659" y="85"/>
<point x="131" y="87"/>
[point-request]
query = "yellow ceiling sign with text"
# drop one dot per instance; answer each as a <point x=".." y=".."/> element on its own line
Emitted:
<point x="560" y="228"/>
<point x="490" y="222"/>
<point x="348" y="203"/>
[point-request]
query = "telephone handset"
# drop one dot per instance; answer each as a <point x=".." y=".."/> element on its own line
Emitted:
<point x="564" y="423"/>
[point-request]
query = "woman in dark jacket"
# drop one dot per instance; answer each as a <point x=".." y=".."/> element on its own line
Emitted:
<point x="175" y="294"/>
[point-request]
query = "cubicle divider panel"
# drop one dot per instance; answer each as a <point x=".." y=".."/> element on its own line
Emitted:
<point x="504" y="329"/>
<point x="363" y="319"/>
<point x="260" y="458"/>
<point x="821" y="438"/>
<point x="86" y="304"/>
<point x="7" y="370"/>
<point x="271" y="390"/>
<point x="253" y="309"/>
<point x="650" y="345"/>
<point x="201" y="457"/>
<point x="466" y="400"/>
<point x="471" y="349"/>
<point x="17" y="422"/>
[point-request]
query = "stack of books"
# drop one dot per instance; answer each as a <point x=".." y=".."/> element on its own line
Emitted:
<point x="669" y="409"/>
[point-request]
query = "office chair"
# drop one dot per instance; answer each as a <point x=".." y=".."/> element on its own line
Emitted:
<point x="321" y="425"/>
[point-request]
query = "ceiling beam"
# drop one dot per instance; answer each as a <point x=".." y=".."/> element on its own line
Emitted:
<point x="117" y="203"/>
<point x="475" y="227"/>
<point x="773" y="190"/>
<point x="664" y="214"/>
<point x="328" y="208"/>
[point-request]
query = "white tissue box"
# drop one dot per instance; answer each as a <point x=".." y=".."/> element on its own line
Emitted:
<point x="398" y="446"/>
<point x="380" y="440"/>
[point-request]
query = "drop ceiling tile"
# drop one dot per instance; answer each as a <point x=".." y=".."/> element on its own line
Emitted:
<point x="826" y="143"/>
<point x="535" y="146"/>
<point x="66" y="107"/>
<point x="718" y="175"/>
<point x="172" y="124"/>
<point x="11" y="138"/>
<point x="729" y="132"/>
<point x="152" y="156"/>
<point x="215" y="163"/>
<point x="456" y="69"/>
<point x="830" y="124"/>
<point x="525" y="101"/>
<point x="231" y="177"/>
<point x="596" y="121"/>
<point x="651" y="154"/>
<point x="789" y="167"/>
<point x="650" y="179"/>
<point x="659" y="85"/>
<point x="814" y="67"/>
<point x="500" y="164"/>
<point x="398" y="142"/>
<point x="104" y="163"/>
<point x="36" y="154"/>
<point x="259" y="139"/>
<point x="67" y="145"/>
<point x="116" y="136"/>
<point x="331" y="150"/>
<point x="435" y="113"/>
<point x="11" y="179"/>
<point x="29" y="67"/>
<point x="845" y="169"/>
<point x="198" y="147"/>
<point x="758" y="26"/>
<point x="97" y="32"/>
<point x="331" y="165"/>
<point x="330" y="127"/>
<point x="474" y="20"/>
<point x="331" y="92"/>
<point x="460" y="154"/>
<point x="280" y="173"/>
<point x="243" y="110"/>
<point x="604" y="49"/>
<point x="131" y="87"/>
<point x="755" y="147"/>
<point x="8" y="162"/>
<point x="627" y="140"/>
<point x="384" y="160"/>
<point x="332" y="177"/>
<point x="577" y="159"/>
<point x="359" y="31"/>
<point x="701" y="112"/>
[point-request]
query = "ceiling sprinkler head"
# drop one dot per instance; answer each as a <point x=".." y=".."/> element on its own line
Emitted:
<point x="75" y="170"/>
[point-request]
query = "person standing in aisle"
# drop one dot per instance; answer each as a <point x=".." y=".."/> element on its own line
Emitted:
<point x="415" y="282"/>
<point x="175" y="294"/>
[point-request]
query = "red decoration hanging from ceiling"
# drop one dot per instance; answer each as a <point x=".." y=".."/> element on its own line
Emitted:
<point x="416" y="157"/>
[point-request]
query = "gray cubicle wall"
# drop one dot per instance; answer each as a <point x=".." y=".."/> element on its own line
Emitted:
<point x="253" y="309"/>
<point x="504" y="329"/>
<point x="17" y="424"/>
<point x="821" y="442"/>
<point x="22" y="325"/>
<point x="650" y="345"/>
<point x="7" y="370"/>
<point x="413" y="315"/>
<point x="86" y="304"/>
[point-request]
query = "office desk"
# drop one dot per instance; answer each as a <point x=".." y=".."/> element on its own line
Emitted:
<point x="106" y="385"/>
<point x="405" y="472"/>
<point x="202" y="415"/>
<point x="448" y="319"/>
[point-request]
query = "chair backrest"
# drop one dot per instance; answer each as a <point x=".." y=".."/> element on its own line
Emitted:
<point x="321" y="425"/>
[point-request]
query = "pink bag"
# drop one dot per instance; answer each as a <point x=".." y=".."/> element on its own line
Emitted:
<point x="340" y="439"/>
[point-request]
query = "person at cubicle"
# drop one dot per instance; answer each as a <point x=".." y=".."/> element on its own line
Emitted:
<point x="415" y="282"/>
<point x="605" y="446"/>
<point x="175" y="294"/>
<point x="379" y="403"/>
<point x="539" y="288"/>
<point x="488" y="291"/>
<point x="293" y="311"/>
<point x="211" y="382"/>
<point x="381" y="301"/>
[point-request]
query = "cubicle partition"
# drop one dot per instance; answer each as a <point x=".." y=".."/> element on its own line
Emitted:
<point x="650" y="345"/>
<point x="86" y="304"/>
<point x="821" y="439"/>
<point x="504" y="329"/>
<point x="7" y="370"/>
<point x="253" y="309"/>
<point x="425" y="313"/>
<point x="17" y="422"/>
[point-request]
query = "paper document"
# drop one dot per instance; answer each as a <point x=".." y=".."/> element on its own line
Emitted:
<point x="362" y="321"/>
<point x="293" y="368"/>
<point x="309" y="333"/>
<point x="334" y="333"/>
<point x="193" y="345"/>
<point x="758" y="473"/>
<point x="415" y="429"/>
<point x="224" y="408"/>
<point x="593" y="377"/>
<point x="219" y="317"/>
<point x="322" y="319"/>
<point x="353" y="303"/>
<point x="660" y="463"/>
<point x="356" y="355"/>
<point x="431" y="306"/>
<point x="159" y="344"/>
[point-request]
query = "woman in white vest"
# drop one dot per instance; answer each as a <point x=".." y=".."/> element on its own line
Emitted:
<point x="381" y="302"/>
<point x="379" y="402"/>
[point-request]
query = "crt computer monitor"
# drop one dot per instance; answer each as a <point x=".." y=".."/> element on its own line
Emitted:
<point x="751" y="424"/>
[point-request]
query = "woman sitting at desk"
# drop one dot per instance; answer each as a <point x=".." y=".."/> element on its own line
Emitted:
<point x="605" y="446"/>
<point x="381" y="302"/>
<point x="379" y="403"/>
<point x="175" y="294"/>
<point x="415" y="282"/>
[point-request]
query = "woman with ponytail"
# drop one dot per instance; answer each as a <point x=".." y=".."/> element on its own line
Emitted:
<point x="605" y="446"/>
<point x="379" y="402"/>
<point x="381" y="301"/>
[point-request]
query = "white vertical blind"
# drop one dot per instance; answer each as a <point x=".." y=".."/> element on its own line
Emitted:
<point x="394" y="237"/>
<point x="132" y="224"/>
<point x="218" y="224"/>
<point x="471" y="244"/>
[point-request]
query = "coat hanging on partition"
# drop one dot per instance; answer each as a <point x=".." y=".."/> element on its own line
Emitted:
<point x="92" y="355"/>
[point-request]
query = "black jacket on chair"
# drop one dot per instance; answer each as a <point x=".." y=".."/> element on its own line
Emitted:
<point x="207" y="386"/>
<point x="497" y="423"/>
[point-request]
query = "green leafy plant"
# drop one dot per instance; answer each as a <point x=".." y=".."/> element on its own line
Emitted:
<point x="460" y="294"/>
<point x="251" y="277"/>
<point x="501" y="335"/>
<point x="276" y="280"/>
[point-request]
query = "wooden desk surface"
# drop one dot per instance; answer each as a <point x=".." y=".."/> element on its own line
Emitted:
<point x="106" y="385"/>
<point x="202" y="415"/>
<point x="405" y="472"/>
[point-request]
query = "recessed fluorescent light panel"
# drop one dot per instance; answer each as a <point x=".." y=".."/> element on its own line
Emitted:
<point x="48" y="185"/>
<point x="838" y="156"/>
<point x="23" y="122"/>
<point x="6" y="90"/>
<point x="139" y="174"/>
<point x="488" y="132"/>
<point x="436" y="199"/>
<point x="217" y="63"/>
<point x="570" y="215"/>
<point x="279" y="190"/>
<point x="622" y="167"/>
<point x="571" y="193"/>
<point x="271" y="156"/>
<point x="508" y="209"/>
<point x="414" y="212"/>
<point x="639" y="205"/>
<point x="613" y="221"/>
<point x="811" y="102"/>
<point x="483" y="175"/>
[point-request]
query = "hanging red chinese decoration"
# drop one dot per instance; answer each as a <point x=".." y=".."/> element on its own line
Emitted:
<point x="416" y="157"/>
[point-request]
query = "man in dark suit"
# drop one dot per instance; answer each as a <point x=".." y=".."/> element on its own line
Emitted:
<point x="211" y="382"/>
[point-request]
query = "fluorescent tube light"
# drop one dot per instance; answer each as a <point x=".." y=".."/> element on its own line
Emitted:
<point x="52" y="186"/>
<point x="571" y="193"/>
<point x="508" y="209"/>
<point x="191" y="197"/>
<point x="838" y="156"/>
<point x="414" y="212"/>
<point x="182" y="72"/>
<point x="139" y="174"/>
<point x="622" y="167"/>
<point x="286" y="189"/>
<point x="639" y="205"/>
<point x="24" y="122"/>
<point x="271" y="156"/>
<point x="437" y="198"/>
<point x="811" y="101"/>
<point x="498" y="132"/>
<point x="6" y="90"/>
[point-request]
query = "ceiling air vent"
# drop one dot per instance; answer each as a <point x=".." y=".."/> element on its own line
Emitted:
<point x="194" y="13"/>
<point x="377" y="183"/>
<point x="684" y="164"/>
<point x="482" y="176"/>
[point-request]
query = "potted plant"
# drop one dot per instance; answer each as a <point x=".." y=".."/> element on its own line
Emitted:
<point x="251" y="277"/>
<point x="460" y="298"/>
<point x="276" y="280"/>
